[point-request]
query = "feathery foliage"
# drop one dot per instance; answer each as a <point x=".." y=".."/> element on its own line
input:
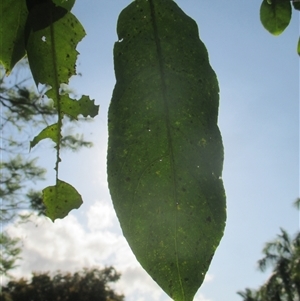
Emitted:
<point x="283" y="255"/>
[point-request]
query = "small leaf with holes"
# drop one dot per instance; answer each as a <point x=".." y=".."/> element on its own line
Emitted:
<point x="51" y="47"/>
<point x="60" y="200"/>
<point x="84" y="106"/>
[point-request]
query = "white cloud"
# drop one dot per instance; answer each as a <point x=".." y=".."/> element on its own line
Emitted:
<point x="100" y="216"/>
<point x="136" y="282"/>
<point x="200" y="297"/>
<point x="68" y="245"/>
<point x="208" y="278"/>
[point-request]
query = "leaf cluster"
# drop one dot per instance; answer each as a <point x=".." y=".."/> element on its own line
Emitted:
<point x="24" y="110"/>
<point x="276" y="15"/>
<point x="47" y="33"/>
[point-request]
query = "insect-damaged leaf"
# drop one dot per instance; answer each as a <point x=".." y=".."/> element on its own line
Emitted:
<point x="165" y="152"/>
<point x="60" y="200"/>
<point x="84" y="106"/>
<point x="51" y="47"/>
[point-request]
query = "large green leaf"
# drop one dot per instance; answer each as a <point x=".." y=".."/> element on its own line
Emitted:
<point x="275" y="15"/>
<point x="165" y="152"/>
<point x="13" y="18"/>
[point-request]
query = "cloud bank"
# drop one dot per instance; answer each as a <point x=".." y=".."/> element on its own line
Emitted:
<point x="69" y="245"/>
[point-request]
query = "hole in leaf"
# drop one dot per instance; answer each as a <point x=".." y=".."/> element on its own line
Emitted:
<point x="43" y="38"/>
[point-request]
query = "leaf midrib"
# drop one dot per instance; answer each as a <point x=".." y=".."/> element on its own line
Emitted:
<point x="168" y="126"/>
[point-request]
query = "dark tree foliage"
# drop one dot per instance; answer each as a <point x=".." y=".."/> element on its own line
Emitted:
<point x="283" y="255"/>
<point x="86" y="285"/>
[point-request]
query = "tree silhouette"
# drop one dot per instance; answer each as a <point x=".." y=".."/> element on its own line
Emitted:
<point x="283" y="254"/>
<point x="86" y="285"/>
<point x="250" y="295"/>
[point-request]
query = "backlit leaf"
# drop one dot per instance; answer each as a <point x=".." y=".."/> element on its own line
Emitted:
<point x="276" y="15"/>
<point x="51" y="132"/>
<point x="12" y="24"/>
<point x="52" y="50"/>
<point x="298" y="47"/>
<point x="84" y="106"/>
<point x="60" y="200"/>
<point x="165" y="152"/>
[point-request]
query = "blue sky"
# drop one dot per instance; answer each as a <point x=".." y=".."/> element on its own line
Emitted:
<point x="259" y="119"/>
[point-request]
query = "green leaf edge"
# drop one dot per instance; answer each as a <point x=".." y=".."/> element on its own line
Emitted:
<point x="50" y="132"/>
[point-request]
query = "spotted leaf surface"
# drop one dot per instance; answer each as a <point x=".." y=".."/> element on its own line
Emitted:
<point x="51" y="132"/>
<point x="165" y="152"/>
<point x="60" y="200"/>
<point x="53" y="35"/>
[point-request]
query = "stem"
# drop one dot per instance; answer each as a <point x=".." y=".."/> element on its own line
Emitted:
<point x="59" y="114"/>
